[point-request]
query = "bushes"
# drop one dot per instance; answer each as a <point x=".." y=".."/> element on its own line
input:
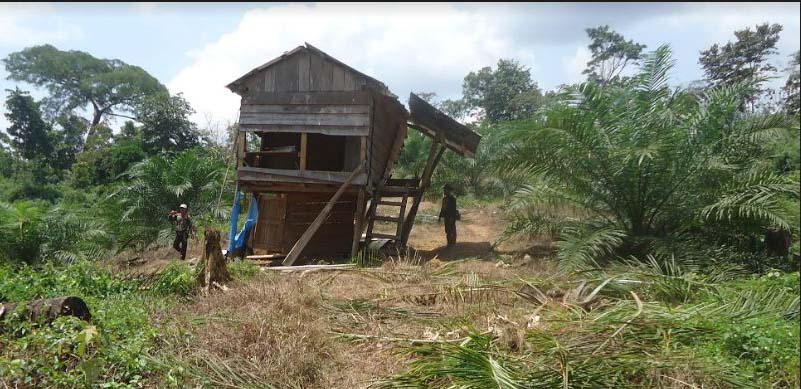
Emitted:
<point x="70" y="352"/>
<point x="116" y="349"/>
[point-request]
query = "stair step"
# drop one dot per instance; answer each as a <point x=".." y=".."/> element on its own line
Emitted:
<point x="395" y="203"/>
<point x="386" y="218"/>
<point x="397" y="189"/>
<point x="385" y="236"/>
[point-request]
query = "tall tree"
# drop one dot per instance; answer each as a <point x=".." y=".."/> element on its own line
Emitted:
<point x="497" y="92"/>
<point x="76" y="79"/>
<point x="166" y="125"/>
<point x="28" y="131"/>
<point x="792" y="101"/>
<point x="611" y="53"/>
<point x="743" y="60"/>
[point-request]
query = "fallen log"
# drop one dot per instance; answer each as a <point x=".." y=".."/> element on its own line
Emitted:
<point x="48" y="310"/>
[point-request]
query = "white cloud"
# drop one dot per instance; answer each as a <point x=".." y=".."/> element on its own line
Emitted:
<point x="410" y="48"/>
<point x="575" y="64"/>
<point x="16" y="29"/>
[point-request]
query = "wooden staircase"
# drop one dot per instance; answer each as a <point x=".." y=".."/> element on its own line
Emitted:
<point x="395" y="193"/>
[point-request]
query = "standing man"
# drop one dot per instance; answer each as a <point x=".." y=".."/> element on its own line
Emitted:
<point x="183" y="226"/>
<point x="449" y="213"/>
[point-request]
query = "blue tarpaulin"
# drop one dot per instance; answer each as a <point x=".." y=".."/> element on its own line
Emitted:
<point x="237" y="240"/>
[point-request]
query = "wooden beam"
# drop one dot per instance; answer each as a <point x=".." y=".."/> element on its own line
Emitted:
<point x="294" y="253"/>
<point x="303" y="150"/>
<point x="307" y="98"/>
<point x="267" y="187"/>
<point x="266" y="256"/>
<point x="359" y="221"/>
<point x="305" y="109"/>
<point x="304" y="119"/>
<point x="240" y="148"/>
<point x="344" y="266"/>
<point x="325" y="130"/>
<point x="256" y="174"/>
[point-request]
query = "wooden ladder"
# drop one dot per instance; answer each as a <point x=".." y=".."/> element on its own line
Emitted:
<point x="379" y="196"/>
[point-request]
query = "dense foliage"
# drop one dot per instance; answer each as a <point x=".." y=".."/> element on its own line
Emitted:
<point x="631" y="169"/>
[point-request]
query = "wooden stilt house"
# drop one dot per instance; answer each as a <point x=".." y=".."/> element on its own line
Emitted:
<point x="328" y="139"/>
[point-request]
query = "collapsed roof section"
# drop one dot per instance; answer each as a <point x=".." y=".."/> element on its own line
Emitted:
<point x="441" y="127"/>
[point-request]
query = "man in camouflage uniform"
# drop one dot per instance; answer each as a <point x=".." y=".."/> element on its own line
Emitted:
<point x="449" y="213"/>
<point x="183" y="226"/>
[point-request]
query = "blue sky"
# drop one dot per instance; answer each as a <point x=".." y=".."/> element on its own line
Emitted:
<point x="198" y="48"/>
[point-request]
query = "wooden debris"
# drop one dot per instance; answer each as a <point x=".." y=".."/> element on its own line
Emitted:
<point x="344" y="266"/>
<point x="48" y="310"/>
<point x="213" y="271"/>
<point x="265" y="256"/>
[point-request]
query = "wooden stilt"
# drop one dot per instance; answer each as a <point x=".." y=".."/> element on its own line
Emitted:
<point x="357" y="225"/>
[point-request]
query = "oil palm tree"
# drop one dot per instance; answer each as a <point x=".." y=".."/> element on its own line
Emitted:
<point x="155" y="186"/>
<point x="617" y="169"/>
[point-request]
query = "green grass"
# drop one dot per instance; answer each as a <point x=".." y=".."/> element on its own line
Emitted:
<point x="69" y="352"/>
<point x="115" y="349"/>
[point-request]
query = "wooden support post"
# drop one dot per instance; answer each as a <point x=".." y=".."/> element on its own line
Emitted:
<point x="433" y="159"/>
<point x="294" y="253"/>
<point x="303" y="150"/>
<point x="359" y="221"/>
<point x="239" y="148"/>
<point x="363" y="148"/>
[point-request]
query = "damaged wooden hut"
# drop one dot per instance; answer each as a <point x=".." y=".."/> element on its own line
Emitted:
<point x="328" y="137"/>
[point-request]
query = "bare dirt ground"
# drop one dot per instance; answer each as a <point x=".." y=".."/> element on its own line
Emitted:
<point x="346" y="329"/>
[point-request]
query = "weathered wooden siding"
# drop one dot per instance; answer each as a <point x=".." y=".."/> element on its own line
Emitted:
<point x="304" y="72"/>
<point x="330" y="113"/>
<point x="334" y="237"/>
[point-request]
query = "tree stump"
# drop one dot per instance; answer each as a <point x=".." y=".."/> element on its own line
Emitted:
<point x="213" y="272"/>
<point x="47" y="310"/>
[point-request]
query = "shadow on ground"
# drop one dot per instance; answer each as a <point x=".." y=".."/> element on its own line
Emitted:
<point x="462" y="250"/>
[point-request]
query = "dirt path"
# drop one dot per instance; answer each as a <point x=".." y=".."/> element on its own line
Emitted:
<point x="477" y="235"/>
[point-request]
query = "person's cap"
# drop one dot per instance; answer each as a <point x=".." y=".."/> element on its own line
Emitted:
<point x="447" y="186"/>
<point x="183" y="206"/>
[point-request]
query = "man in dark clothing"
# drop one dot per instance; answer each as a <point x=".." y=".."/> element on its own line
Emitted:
<point x="183" y="226"/>
<point x="449" y="213"/>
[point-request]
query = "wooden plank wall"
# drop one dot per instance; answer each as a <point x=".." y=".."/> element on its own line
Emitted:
<point x="298" y="93"/>
<point x="304" y="72"/>
<point x="334" y="237"/>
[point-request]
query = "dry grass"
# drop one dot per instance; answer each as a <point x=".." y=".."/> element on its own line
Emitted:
<point x="269" y="331"/>
<point x="343" y="329"/>
<point x="338" y="329"/>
